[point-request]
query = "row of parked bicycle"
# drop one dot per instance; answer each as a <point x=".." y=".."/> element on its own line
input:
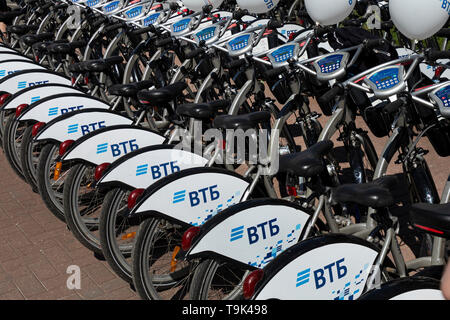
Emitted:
<point x="124" y="117"/>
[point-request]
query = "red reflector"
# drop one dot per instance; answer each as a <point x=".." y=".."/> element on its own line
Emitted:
<point x="250" y="283"/>
<point x="20" y="109"/>
<point x="292" y="191"/>
<point x="133" y="197"/>
<point x="438" y="72"/>
<point x="86" y="80"/>
<point x="100" y="170"/>
<point x="64" y="146"/>
<point x="36" y="128"/>
<point x="3" y="98"/>
<point x="188" y="236"/>
<point x="428" y="229"/>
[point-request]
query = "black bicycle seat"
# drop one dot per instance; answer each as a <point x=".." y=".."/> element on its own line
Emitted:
<point x="130" y="89"/>
<point x="202" y="111"/>
<point x="161" y="96"/>
<point x="307" y="163"/>
<point x="21" y="29"/>
<point x="380" y="193"/>
<point x="64" y="47"/>
<point x="30" y="39"/>
<point x="244" y="121"/>
<point x="100" y="65"/>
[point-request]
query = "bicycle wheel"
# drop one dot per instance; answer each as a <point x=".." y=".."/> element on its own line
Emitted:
<point x="51" y="190"/>
<point x="213" y="280"/>
<point x="12" y="140"/>
<point x="157" y="275"/>
<point x="117" y="234"/>
<point x="82" y="206"/>
<point x="29" y="158"/>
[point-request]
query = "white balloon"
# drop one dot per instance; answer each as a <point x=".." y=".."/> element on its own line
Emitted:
<point x="197" y="5"/>
<point x="257" y="6"/>
<point x="419" y="19"/>
<point x="328" y="12"/>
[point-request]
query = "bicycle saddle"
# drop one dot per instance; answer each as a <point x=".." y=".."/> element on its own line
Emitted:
<point x="100" y="65"/>
<point x="64" y="47"/>
<point x="383" y="192"/>
<point x="30" y="39"/>
<point x="431" y="218"/>
<point x="307" y="163"/>
<point x="42" y="46"/>
<point x="161" y="96"/>
<point x="130" y="89"/>
<point x="244" y="121"/>
<point x="202" y="111"/>
<point x="21" y="29"/>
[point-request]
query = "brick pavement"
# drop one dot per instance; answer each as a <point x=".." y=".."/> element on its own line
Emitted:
<point x="36" y="249"/>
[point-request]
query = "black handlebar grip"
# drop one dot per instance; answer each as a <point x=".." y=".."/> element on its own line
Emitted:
<point x="99" y="22"/>
<point x="330" y="95"/>
<point x="320" y="31"/>
<point x="393" y="106"/>
<point x="386" y="26"/>
<point x="61" y="6"/>
<point x="194" y="53"/>
<point x="274" y="73"/>
<point x="353" y="23"/>
<point x="274" y="24"/>
<point x="443" y="33"/>
<point x="115" y="27"/>
<point x="435" y="55"/>
<point x="373" y="43"/>
<point x="163" y="42"/>
<point x="143" y="30"/>
<point x="237" y="15"/>
<point x="235" y="64"/>
<point x="78" y="44"/>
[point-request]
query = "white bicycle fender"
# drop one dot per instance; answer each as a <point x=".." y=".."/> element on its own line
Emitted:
<point x="13" y="56"/>
<point x="194" y="195"/>
<point x="254" y="232"/>
<point x="29" y="78"/>
<point x="111" y="143"/>
<point x="11" y="66"/>
<point x="143" y="169"/>
<point x="47" y="110"/>
<point x="333" y="271"/>
<point x="35" y="94"/>
<point x="78" y="124"/>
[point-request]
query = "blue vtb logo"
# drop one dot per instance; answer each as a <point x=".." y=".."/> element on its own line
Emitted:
<point x="54" y="111"/>
<point x="158" y="171"/>
<point x="134" y="12"/>
<point x="5" y="73"/>
<point x="35" y="99"/>
<point x="151" y="19"/>
<point x="322" y="276"/>
<point x="203" y="195"/>
<point x="23" y="84"/>
<point x="256" y="232"/>
<point x="237" y="233"/>
<point x="85" y="128"/>
<point x="118" y="148"/>
<point x="111" y="6"/>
